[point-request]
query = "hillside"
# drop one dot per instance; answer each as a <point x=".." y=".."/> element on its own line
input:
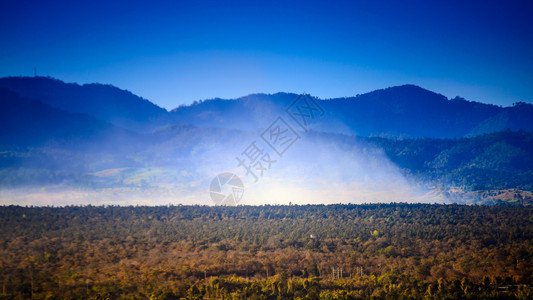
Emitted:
<point x="178" y="159"/>
<point x="104" y="102"/>
<point x="402" y="111"/>
<point x="393" y="143"/>
<point x="25" y="122"/>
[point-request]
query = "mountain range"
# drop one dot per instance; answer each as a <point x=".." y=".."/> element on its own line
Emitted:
<point x="102" y="137"/>
<point x="406" y="111"/>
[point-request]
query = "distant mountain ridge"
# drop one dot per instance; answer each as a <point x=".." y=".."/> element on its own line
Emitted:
<point x="98" y="136"/>
<point x="402" y="111"/>
<point x="25" y="122"/>
<point x="104" y="102"/>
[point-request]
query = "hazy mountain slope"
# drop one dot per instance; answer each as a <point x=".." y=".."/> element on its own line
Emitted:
<point x="104" y="102"/>
<point x="403" y="111"/>
<point x="246" y="113"/>
<point x="489" y="161"/>
<point x="26" y="122"/>
<point x="518" y="117"/>
<point x="182" y="160"/>
<point x="352" y="151"/>
<point x="409" y="111"/>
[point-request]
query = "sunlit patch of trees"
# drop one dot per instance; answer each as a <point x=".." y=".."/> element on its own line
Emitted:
<point x="268" y="252"/>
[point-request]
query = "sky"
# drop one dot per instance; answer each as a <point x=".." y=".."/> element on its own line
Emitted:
<point x="176" y="52"/>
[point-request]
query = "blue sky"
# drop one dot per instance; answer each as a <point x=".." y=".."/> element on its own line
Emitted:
<point x="176" y="52"/>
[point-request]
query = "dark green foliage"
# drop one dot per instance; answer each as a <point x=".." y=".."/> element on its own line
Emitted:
<point x="491" y="161"/>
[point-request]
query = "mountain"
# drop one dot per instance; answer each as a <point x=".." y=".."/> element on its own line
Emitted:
<point x="514" y="118"/>
<point x="409" y="111"/>
<point x="104" y="102"/>
<point x="184" y="158"/>
<point x="489" y="161"/>
<point x="26" y="122"/>
<point x="396" y="144"/>
<point x="402" y="111"/>
<point x="245" y="113"/>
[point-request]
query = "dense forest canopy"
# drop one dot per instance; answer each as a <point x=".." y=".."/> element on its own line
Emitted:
<point x="267" y="252"/>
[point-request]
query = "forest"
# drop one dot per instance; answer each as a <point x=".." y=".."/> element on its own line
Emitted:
<point x="368" y="251"/>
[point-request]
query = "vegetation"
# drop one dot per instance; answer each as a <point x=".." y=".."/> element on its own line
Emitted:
<point x="493" y="161"/>
<point x="409" y="251"/>
<point x="490" y="162"/>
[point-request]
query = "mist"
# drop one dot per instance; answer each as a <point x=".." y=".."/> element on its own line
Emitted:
<point x="318" y="168"/>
